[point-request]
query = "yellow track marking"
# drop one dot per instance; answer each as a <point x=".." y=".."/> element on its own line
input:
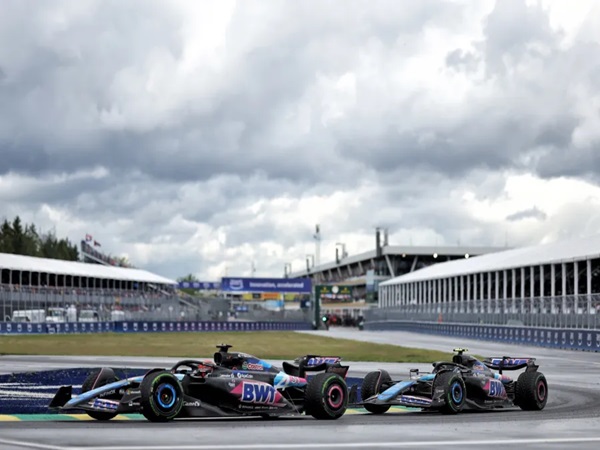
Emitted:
<point x="7" y="418"/>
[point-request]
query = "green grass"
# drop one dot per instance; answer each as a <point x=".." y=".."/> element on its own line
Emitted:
<point x="265" y="344"/>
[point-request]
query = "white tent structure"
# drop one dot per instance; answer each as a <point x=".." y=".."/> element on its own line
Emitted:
<point x="563" y="268"/>
<point x="16" y="265"/>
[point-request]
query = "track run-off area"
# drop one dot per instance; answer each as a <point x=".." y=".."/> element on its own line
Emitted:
<point x="570" y="419"/>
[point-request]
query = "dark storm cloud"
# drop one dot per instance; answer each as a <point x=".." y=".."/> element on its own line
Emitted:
<point x="51" y="191"/>
<point x="230" y="137"/>
<point x="227" y="139"/>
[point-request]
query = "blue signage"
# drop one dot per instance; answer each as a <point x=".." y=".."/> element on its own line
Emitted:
<point x="145" y="327"/>
<point x="200" y="285"/>
<point x="297" y="285"/>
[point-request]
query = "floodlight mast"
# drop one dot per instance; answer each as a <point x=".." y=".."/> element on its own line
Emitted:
<point x="317" y="238"/>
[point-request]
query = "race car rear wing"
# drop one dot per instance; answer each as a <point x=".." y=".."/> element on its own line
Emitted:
<point x="501" y="363"/>
<point x="316" y="363"/>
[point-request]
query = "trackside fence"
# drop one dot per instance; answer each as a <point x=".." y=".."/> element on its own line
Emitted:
<point x="573" y="339"/>
<point x="146" y="327"/>
<point x="572" y="311"/>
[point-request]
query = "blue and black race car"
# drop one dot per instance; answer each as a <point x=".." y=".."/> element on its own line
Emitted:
<point x="465" y="382"/>
<point x="232" y="384"/>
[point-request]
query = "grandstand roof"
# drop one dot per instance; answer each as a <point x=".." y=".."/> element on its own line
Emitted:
<point x="564" y="251"/>
<point x="411" y="250"/>
<point x="60" y="267"/>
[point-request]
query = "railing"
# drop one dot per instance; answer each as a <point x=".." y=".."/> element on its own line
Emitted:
<point x="131" y="305"/>
<point x="575" y="311"/>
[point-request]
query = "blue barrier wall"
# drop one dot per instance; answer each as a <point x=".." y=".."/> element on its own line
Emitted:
<point x="573" y="339"/>
<point x="31" y="392"/>
<point x="145" y="327"/>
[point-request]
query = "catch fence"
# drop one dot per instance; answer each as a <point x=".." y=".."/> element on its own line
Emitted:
<point x="575" y="311"/>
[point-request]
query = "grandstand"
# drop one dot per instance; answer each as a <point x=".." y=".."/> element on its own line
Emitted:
<point x="32" y="284"/>
<point x="548" y="285"/>
<point x="385" y="262"/>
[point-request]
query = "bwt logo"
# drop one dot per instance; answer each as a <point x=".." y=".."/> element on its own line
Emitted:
<point x="262" y="394"/>
<point x="496" y="389"/>
<point x="322" y="359"/>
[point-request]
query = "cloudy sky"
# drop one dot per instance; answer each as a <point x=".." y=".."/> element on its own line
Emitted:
<point x="200" y="136"/>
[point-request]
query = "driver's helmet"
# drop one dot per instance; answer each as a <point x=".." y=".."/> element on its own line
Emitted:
<point x="465" y="360"/>
<point x="204" y="369"/>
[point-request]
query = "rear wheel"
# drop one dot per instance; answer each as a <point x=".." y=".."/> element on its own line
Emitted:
<point x="375" y="383"/>
<point x="454" y="391"/>
<point x="161" y="396"/>
<point x="531" y="393"/>
<point x="96" y="379"/>
<point x="326" y="396"/>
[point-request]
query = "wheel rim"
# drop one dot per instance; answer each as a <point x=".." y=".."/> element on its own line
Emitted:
<point x="166" y="395"/>
<point x="541" y="390"/>
<point x="457" y="392"/>
<point x="335" y="396"/>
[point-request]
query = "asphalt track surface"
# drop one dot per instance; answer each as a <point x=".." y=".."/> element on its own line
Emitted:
<point x="571" y="418"/>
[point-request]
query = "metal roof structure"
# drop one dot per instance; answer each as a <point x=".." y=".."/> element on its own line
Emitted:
<point x="557" y="252"/>
<point x="398" y="250"/>
<point x="78" y="269"/>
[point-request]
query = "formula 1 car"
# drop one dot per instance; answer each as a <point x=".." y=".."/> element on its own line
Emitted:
<point x="232" y="384"/>
<point x="465" y="382"/>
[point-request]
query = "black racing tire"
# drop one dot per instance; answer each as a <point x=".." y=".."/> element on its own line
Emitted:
<point x="326" y="396"/>
<point x="374" y="383"/>
<point x="161" y="396"/>
<point x="531" y="391"/>
<point x="96" y="379"/>
<point x="454" y="391"/>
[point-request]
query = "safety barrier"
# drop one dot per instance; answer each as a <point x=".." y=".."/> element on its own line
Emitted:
<point x="587" y="340"/>
<point x="145" y="327"/>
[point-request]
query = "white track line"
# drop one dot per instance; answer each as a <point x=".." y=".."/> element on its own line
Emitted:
<point x="25" y="394"/>
<point x="359" y="445"/>
<point x="32" y="445"/>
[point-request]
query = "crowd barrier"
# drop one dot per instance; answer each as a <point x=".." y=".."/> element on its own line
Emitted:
<point x="587" y="340"/>
<point x="145" y="327"/>
<point x="31" y="392"/>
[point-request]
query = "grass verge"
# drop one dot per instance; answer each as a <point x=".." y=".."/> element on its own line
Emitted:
<point x="263" y="344"/>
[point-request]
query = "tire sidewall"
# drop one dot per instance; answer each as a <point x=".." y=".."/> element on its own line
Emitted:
<point x="334" y="395"/>
<point x="373" y="388"/>
<point x="372" y="385"/>
<point x="158" y="383"/>
<point x="326" y="396"/>
<point x="96" y="379"/>
<point x="532" y="391"/>
<point x="541" y="386"/>
<point x="455" y="391"/>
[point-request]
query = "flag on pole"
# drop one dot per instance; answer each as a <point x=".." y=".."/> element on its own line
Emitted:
<point x="88" y="237"/>
<point x="97" y="244"/>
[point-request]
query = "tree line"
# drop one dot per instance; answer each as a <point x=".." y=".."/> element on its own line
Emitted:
<point x="25" y="239"/>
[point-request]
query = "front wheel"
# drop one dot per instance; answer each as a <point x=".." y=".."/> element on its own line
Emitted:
<point x="454" y="391"/>
<point x="326" y="396"/>
<point x="96" y="379"/>
<point x="161" y="396"/>
<point x="375" y="383"/>
<point x="531" y="393"/>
